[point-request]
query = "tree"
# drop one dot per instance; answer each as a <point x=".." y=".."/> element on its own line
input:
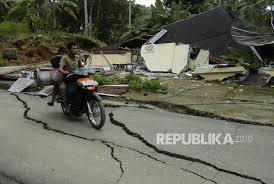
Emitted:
<point x="5" y="5"/>
<point x="42" y="12"/>
<point x="86" y="16"/>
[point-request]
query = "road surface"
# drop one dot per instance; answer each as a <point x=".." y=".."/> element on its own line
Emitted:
<point x="39" y="145"/>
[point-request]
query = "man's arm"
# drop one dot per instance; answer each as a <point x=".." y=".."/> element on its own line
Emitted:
<point x="62" y="66"/>
<point x="81" y="61"/>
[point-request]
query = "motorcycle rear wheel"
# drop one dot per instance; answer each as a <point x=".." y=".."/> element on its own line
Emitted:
<point x="96" y="113"/>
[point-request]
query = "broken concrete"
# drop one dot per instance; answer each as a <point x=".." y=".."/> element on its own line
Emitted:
<point x="267" y="71"/>
<point x="211" y="73"/>
<point x="21" y="84"/>
<point x="180" y="58"/>
<point x="202" y="59"/>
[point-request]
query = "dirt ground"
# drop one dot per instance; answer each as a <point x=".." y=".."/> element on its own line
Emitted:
<point x="232" y="101"/>
<point x="30" y="51"/>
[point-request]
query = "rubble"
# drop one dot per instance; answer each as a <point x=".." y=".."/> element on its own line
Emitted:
<point x="21" y="84"/>
<point x="112" y="90"/>
<point x="46" y="91"/>
<point x="158" y="74"/>
<point x="202" y="59"/>
<point x="212" y="73"/>
<point x="257" y="79"/>
<point x="267" y="71"/>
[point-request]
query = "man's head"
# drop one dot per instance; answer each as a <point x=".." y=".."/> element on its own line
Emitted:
<point x="72" y="48"/>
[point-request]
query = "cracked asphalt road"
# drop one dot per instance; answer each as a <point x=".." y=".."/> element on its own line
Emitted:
<point x="41" y="145"/>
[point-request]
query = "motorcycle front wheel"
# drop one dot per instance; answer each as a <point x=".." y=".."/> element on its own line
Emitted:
<point x="65" y="108"/>
<point x="96" y="113"/>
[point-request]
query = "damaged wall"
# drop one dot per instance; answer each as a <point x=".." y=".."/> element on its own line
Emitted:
<point x="100" y="59"/>
<point x="165" y="57"/>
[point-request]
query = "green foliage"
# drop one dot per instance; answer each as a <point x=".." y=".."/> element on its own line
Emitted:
<point x="43" y="13"/>
<point x="12" y="28"/>
<point x="153" y="85"/>
<point x="2" y="62"/>
<point x="179" y="11"/>
<point x="10" y="53"/>
<point x="137" y="84"/>
<point x="244" y="58"/>
<point x="5" y="5"/>
<point x="129" y="78"/>
<point x="102" y="80"/>
<point x="150" y="22"/>
<point x="84" y="41"/>
<point x="109" y="18"/>
<point x="134" y="82"/>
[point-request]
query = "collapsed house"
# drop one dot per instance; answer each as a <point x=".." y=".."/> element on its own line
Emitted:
<point x="213" y="32"/>
<point x="209" y="30"/>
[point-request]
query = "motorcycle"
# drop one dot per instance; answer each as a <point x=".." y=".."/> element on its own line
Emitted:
<point x="86" y="100"/>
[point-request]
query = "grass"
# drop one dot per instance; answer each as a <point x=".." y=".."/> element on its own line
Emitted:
<point x="87" y="40"/>
<point x="12" y="28"/>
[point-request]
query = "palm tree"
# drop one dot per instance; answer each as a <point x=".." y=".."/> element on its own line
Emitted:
<point x="49" y="8"/>
<point x="86" y="16"/>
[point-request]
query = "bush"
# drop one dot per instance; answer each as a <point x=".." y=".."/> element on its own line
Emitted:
<point x="134" y="82"/>
<point x="2" y="62"/>
<point x="153" y="86"/>
<point x="131" y="77"/>
<point x="102" y="80"/>
<point x="10" y="53"/>
<point x="135" y="85"/>
<point x="12" y="28"/>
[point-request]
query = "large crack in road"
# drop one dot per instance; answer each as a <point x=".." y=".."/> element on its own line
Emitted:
<point x="178" y="156"/>
<point x="133" y="134"/>
<point x="119" y="161"/>
<point x="47" y="127"/>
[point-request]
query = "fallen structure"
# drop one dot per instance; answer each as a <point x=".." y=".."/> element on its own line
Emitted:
<point x="257" y="80"/>
<point x="112" y="90"/>
<point x="202" y="59"/>
<point x="267" y="71"/>
<point x="213" y="72"/>
<point x="167" y="57"/>
<point x="210" y="30"/>
<point x="21" y="84"/>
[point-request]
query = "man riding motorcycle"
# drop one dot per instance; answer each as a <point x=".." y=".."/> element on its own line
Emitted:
<point x="69" y="63"/>
<point x="78" y="92"/>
